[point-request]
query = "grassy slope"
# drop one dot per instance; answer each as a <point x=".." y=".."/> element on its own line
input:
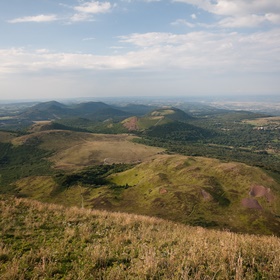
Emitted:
<point x="158" y="117"/>
<point x="192" y="190"/>
<point x="52" y="242"/>
<point x="172" y="187"/>
<point x="6" y="137"/>
<point x="74" y="150"/>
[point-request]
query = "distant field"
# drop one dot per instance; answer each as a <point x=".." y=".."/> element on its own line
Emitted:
<point x="6" y="118"/>
<point x="74" y="150"/>
<point x="264" y="121"/>
<point x="163" y="112"/>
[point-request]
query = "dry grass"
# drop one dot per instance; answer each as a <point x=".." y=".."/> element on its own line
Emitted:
<point x="52" y="242"/>
<point x="6" y="137"/>
<point x="162" y="112"/>
<point x="108" y="151"/>
<point x="74" y="150"/>
<point x="39" y="126"/>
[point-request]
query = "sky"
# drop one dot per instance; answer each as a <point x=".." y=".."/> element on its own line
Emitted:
<point x="74" y="48"/>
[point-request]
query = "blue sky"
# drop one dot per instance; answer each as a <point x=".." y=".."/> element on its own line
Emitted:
<point x="58" y="49"/>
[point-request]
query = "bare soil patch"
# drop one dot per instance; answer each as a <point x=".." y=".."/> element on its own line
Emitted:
<point x="40" y="126"/>
<point x="261" y="191"/>
<point x="206" y="196"/>
<point x="131" y="124"/>
<point x="251" y="203"/>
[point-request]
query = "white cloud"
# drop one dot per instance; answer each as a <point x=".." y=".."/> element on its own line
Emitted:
<point x="207" y="50"/>
<point x="273" y="18"/>
<point x="235" y="7"/>
<point x="150" y="62"/>
<point x="23" y="61"/>
<point x="86" y="10"/>
<point x="95" y="7"/>
<point x="82" y="12"/>
<point x="250" y="20"/>
<point x="152" y="39"/>
<point x="183" y="22"/>
<point x="38" y="18"/>
<point x="242" y="21"/>
<point x="42" y="51"/>
<point x="216" y="52"/>
<point x="236" y="11"/>
<point x="203" y="4"/>
<point x="244" y="7"/>
<point x="80" y="17"/>
<point x="193" y="16"/>
<point x="147" y="1"/>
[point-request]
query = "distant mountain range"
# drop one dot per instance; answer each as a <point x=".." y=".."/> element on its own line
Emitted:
<point x="166" y="122"/>
<point x="99" y="111"/>
<point x="54" y="110"/>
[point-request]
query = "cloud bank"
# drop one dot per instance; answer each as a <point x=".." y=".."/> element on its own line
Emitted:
<point x="161" y="51"/>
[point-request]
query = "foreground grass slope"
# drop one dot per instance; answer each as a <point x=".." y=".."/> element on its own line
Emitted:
<point x="44" y="241"/>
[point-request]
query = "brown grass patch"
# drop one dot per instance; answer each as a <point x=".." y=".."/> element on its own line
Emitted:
<point x="6" y="137"/>
<point x="103" y="149"/>
<point x="74" y="150"/>
<point x="40" y="126"/>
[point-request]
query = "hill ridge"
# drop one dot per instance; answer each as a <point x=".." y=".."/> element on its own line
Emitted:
<point x="54" y="110"/>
